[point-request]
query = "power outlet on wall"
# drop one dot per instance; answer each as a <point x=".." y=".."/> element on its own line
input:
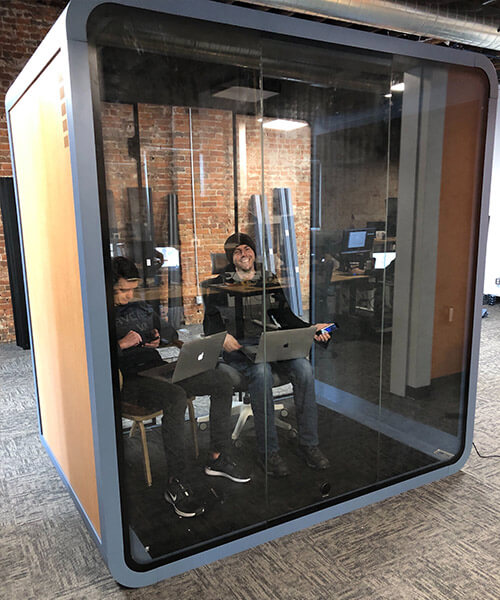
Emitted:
<point x="497" y="281"/>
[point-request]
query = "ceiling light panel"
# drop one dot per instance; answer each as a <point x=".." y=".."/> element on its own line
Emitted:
<point x="284" y="124"/>
<point x="244" y="94"/>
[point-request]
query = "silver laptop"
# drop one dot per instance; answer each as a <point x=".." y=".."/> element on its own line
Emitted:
<point x="281" y="344"/>
<point x="196" y="356"/>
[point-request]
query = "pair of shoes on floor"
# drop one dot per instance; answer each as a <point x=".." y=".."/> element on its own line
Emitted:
<point x="315" y="459"/>
<point x="274" y="465"/>
<point x="223" y="466"/>
<point x="181" y="496"/>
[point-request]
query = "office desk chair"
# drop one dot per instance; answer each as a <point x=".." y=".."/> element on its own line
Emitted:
<point x="244" y="409"/>
<point x="240" y="385"/>
<point x="219" y="262"/>
<point x="139" y="415"/>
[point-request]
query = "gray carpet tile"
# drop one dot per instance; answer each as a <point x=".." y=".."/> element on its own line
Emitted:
<point x="438" y="542"/>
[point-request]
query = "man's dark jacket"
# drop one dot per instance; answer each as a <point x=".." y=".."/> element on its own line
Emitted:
<point x="221" y="312"/>
<point x="140" y="317"/>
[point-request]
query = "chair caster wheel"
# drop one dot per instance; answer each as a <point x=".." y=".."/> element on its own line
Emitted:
<point x="284" y="413"/>
<point x="293" y="433"/>
<point x="203" y="426"/>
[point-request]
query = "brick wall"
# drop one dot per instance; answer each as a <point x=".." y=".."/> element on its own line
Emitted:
<point x="165" y="151"/>
<point x="358" y="195"/>
<point x="165" y="138"/>
<point x="23" y="24"/>
<point x="363" y="178"/>
<point x="287" y="164"/>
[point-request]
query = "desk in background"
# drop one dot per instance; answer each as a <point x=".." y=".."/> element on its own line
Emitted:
<point x="339" y="279"/>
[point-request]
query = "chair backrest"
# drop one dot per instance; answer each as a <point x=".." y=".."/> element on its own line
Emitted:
<point x="323" y="270"/>
<point x="219" y="262"/>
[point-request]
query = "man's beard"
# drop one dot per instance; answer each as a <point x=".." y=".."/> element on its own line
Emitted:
<point x="246" y="268"/>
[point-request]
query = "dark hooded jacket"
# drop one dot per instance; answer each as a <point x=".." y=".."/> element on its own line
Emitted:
<point x="140" y="317"/>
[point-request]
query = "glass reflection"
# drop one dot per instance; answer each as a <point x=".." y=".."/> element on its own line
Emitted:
<point x="271" y="185"/>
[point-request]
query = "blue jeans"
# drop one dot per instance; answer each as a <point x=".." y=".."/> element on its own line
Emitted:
<point x="260" y="387"/>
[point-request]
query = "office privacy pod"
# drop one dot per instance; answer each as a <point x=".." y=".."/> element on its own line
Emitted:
<point x="128" y="105"/>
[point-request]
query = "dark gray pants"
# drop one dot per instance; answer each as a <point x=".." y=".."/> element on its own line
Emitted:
<point x="171" y="398"/>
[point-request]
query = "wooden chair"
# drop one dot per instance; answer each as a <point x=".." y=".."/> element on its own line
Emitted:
<point x="138" y="415"/>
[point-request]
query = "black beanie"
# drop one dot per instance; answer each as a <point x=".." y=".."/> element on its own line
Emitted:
<point x="235" y="240"/>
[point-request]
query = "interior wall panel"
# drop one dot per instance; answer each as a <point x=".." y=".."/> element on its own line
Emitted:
<point x="459" y="212"/>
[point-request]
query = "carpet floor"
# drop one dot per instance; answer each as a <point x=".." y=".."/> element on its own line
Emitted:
<point x="438" y="542"/>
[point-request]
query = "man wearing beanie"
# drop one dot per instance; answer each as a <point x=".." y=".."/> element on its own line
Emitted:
<point x="235" y="240"/>
<point x="243" y="322"/>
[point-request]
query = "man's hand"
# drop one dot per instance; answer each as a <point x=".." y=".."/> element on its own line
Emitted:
<point x="131" y="339"/>
<point x="230" y="343"/>
<point x="322" y="337"/>
<point x="155" y="342"/>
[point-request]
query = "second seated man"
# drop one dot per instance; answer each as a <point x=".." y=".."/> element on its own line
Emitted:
<point x="244" y="326"/>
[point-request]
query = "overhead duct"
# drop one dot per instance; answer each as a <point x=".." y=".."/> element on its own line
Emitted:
<point x="406" y="17"/>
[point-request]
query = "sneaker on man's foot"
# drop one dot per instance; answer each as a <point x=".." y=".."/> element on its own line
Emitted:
<point x="275" y="466"/>
<point x="182" y="499"/>
<point x="315" y="459"/>
<point x="223" y="466"/>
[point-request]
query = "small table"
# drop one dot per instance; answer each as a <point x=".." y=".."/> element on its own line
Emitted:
<point x="244" y="289"/>
<point x="239" y="290"/>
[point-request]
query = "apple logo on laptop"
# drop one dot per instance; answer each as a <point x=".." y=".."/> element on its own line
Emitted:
<point x="201" y="355"/>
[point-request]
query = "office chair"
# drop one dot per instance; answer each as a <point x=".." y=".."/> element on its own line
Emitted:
<point x="244" y="409"/>
<point x="240" y="386"/>
<point x="219" y="262"/>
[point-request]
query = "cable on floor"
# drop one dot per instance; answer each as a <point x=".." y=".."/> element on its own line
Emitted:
<point x="485" y="455"/>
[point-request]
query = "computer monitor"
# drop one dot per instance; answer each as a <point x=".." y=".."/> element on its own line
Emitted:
<point x="356" y="241"/>
<point x="356" y="246"/>
<point x="170" y="256"/>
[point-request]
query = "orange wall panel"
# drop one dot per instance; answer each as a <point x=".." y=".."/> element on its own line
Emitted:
<point x="45" y="191"/>
<point x="461" y="180"/>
